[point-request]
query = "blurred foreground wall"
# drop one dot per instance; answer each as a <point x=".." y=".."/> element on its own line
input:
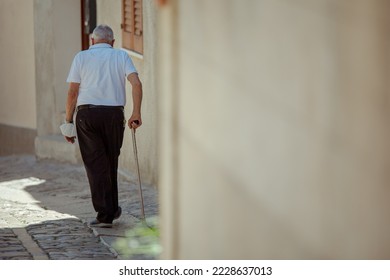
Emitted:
<point x="274" y="134"/>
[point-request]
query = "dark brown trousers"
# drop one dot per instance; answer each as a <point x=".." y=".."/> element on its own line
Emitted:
<point x="100" y="134"/>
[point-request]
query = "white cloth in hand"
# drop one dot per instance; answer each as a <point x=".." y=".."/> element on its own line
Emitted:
<point x="68" y="129"/>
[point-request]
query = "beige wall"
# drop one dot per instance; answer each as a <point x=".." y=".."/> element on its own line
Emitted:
<point x="276" y="129"/>
<point x="109" y="12"/>
<point x="39" y="40"/>
<point x="67" y="42"/>
<point x="17" y="74"/>
<point x="57" y="40"/>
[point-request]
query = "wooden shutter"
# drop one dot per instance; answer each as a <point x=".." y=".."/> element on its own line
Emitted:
<point x="132" y="25"/>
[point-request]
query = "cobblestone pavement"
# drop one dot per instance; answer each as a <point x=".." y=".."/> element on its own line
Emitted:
<point x="45" y="206"/>
<point x="12" y="248"/>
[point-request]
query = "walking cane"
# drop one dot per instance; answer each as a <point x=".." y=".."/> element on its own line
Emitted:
<point x="139" y="176"/>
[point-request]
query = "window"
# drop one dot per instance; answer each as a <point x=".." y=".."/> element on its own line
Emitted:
<point x="132" y="26"/>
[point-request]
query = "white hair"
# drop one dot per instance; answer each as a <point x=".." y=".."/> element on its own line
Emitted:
<point x="103" y="32"/>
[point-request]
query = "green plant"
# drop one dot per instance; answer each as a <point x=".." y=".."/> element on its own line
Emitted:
<point x="141" y="241"/>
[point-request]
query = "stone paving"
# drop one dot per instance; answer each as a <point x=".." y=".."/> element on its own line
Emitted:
<point x="69" y="239"/>
<point x="11" y="247"/>
<point x="45" y="206"/>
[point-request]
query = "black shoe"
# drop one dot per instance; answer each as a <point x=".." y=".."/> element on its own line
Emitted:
<point x="97" y="223"/>
<point x="118" y="213"/>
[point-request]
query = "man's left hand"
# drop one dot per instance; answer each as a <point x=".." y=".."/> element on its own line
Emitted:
<point x="70" y="139"/>
<point x="135" y="121"/>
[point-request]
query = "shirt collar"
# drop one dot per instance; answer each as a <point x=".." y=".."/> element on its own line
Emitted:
<point x="100" y="45"/>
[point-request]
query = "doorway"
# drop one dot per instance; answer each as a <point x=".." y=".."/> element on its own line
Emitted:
<point x="88" y="22"/>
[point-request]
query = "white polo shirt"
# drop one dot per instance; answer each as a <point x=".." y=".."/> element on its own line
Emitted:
<point x="101" y="71"/>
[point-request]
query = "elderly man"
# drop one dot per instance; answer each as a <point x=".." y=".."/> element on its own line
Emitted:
<point x="97" y="93"/>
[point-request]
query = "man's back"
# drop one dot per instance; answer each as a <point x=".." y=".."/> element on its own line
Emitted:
<point x="101" y="71"/>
